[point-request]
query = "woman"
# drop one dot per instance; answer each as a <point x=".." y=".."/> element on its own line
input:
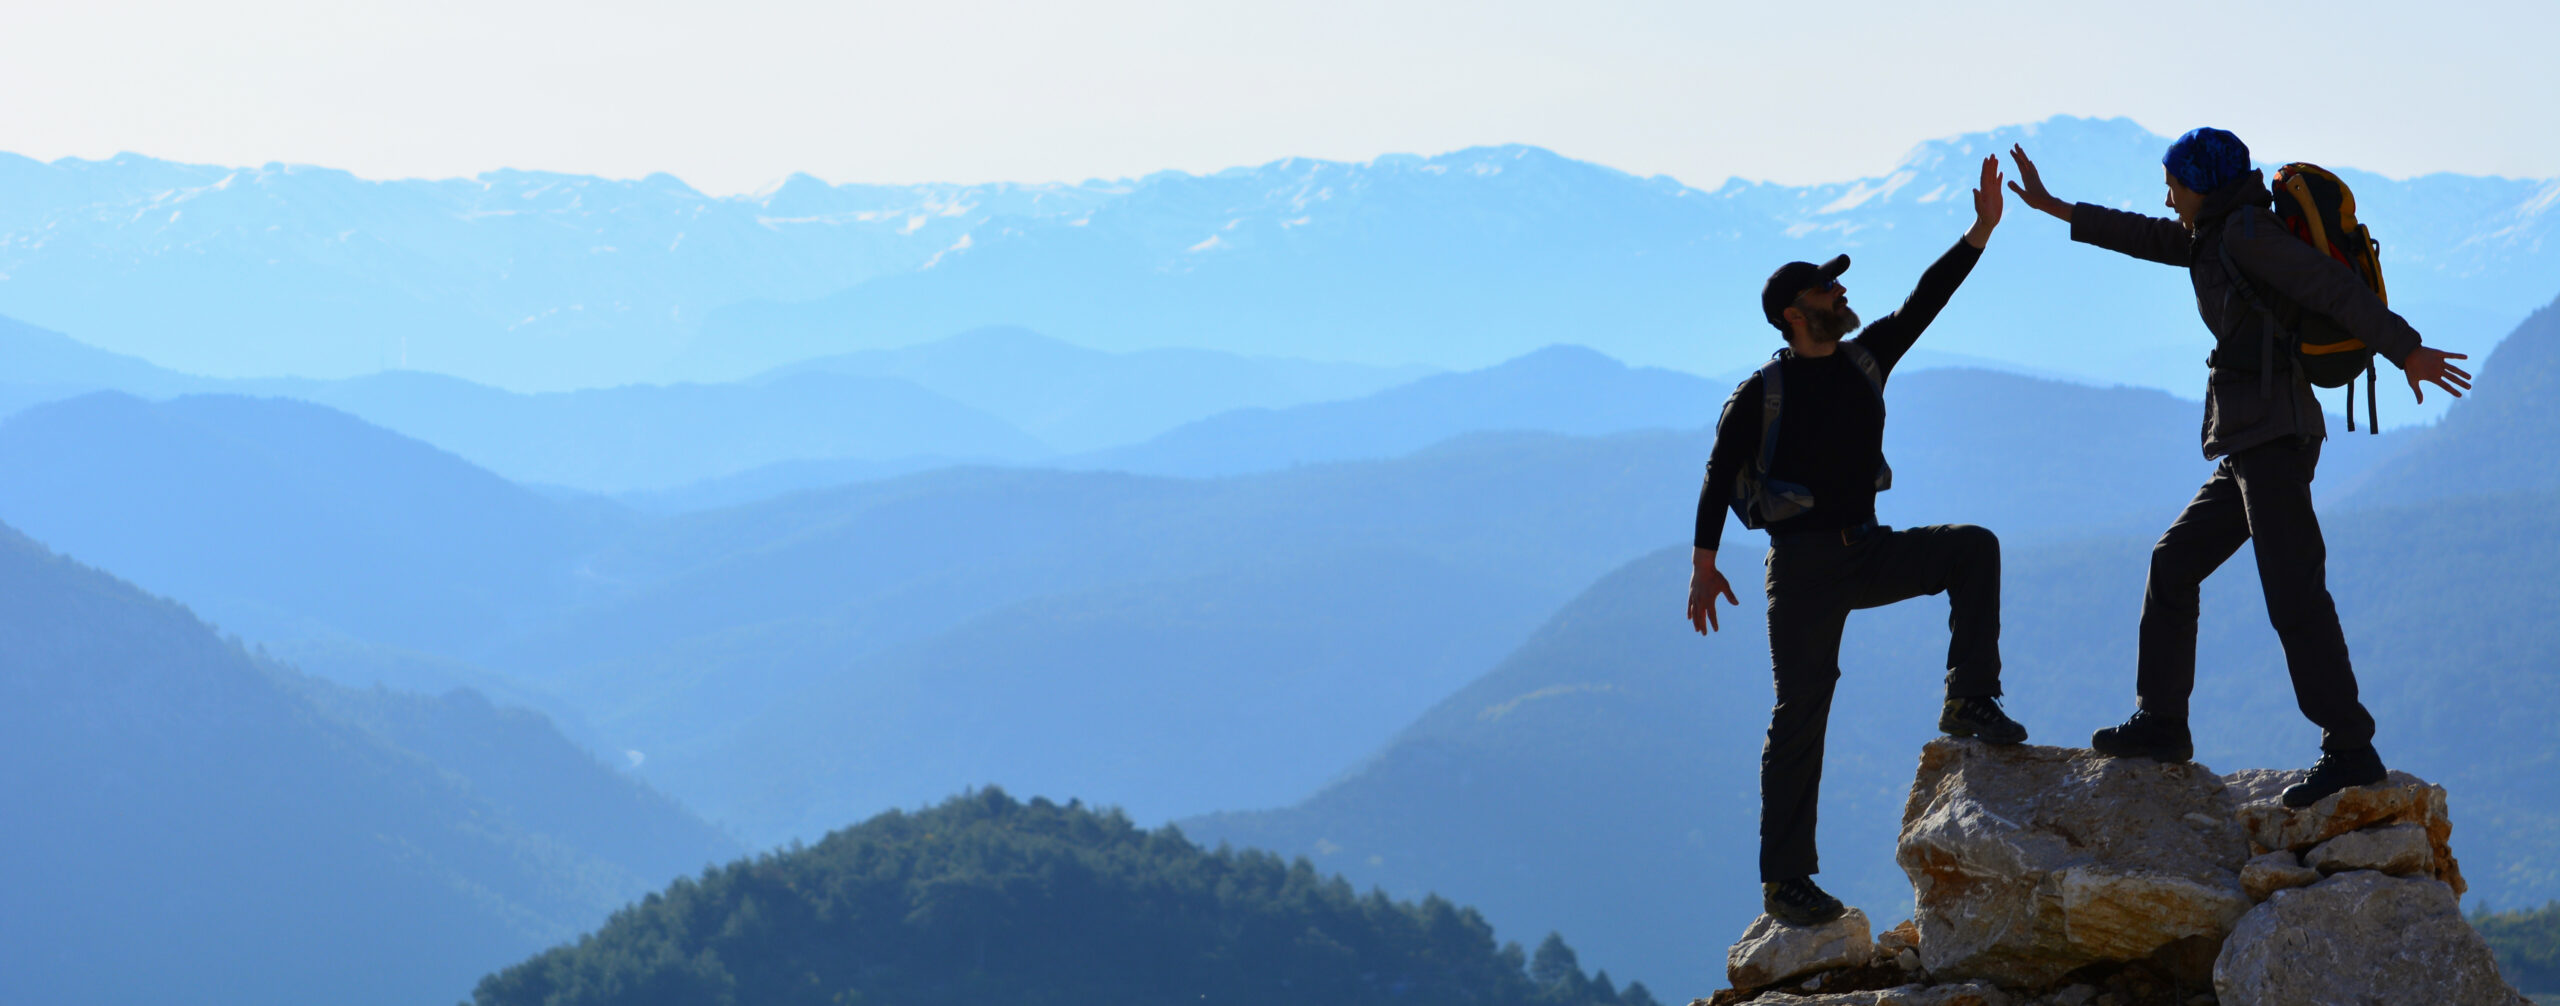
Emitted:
<point x="2265" y="427"/>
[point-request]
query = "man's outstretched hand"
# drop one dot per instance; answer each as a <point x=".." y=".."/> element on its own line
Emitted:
<point x="2030" y="186"/>
<point x="1704" y="584"/>
<point x="2429" y="366"/>
<point x="1987" y="204"/>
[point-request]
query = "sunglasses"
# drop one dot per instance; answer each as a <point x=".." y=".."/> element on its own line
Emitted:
<point x="1830" y="287"/>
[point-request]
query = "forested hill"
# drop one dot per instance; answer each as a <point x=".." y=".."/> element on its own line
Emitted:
<point x="989" y="899"/>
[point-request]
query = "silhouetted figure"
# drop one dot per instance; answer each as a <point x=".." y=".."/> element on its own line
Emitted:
<point x="2265" y="426"/>
<point x="1811" y="482"/>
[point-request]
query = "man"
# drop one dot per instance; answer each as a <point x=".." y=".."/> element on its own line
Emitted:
<point x="1813" y="487"/>
<point x="2265" y="428"/>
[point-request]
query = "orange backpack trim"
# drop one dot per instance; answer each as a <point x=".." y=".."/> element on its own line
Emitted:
<point x="2341" y="238"/>
<point x="2356" y="248"/>
<point x="2352" y="244"/>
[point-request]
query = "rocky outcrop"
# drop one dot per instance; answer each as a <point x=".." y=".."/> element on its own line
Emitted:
<point x="2059" y="877"/>
<point x="2360" y="937"/>
<point x="1772" y="951"/>
<point x="2027" y="863"/>
<point x="2400" y="799"/>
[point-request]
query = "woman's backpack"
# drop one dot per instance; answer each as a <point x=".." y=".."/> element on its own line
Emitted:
<point x="2319" y="208"/>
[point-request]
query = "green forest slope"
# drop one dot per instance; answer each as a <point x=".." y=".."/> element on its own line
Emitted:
<point x="986" y="899"/>
<point x="2528" y="947"/>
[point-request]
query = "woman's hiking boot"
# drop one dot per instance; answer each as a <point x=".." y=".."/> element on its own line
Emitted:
<point x="1980" y="716"/>
<point x="2146" y="735"/>
<point x="2336" y="770"/>
<point x="1797" y="902"/>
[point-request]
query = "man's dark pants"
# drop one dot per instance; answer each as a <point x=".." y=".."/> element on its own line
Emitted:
<point x="1813" y="584"/>
<point x="2261" y="496"/>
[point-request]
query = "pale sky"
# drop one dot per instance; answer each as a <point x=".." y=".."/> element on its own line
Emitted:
<point x="732" y="96"/>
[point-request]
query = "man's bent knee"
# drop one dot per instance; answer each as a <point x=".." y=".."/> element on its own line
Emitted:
<point x="2172" y="568"/>
<point x="1966" y="543"/>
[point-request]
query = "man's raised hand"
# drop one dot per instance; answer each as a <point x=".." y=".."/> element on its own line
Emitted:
<point x="2429" y="365"/>
<point x="1704" y="584"/>
<point x="2032" y="191"/>
<point x="1987" y="204"/>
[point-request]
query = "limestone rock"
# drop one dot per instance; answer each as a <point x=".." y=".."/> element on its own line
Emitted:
<point x="2396" y="849"/>
<point x="2028" y="862"/>
<point x="2399" y="798"/>
<point x="1957" y="994"/>
<point x="1772" y="951"/>
<point x="2360" y="937"/>
<point x="1904" y="935"/>
<point x="2275" y="871"/>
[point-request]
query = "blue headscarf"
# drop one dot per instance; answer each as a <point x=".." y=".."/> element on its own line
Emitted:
<point x="2206" y="158"/>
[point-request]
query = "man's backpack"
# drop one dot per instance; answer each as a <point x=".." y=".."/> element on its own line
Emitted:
<point x="2320" y="209"/>
<point x="1759" y="500"/>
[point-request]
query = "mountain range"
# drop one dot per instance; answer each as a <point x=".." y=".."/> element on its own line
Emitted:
<point x="730" y="652"/>
<point x="990" y="395"/>
<point x="1076" y="400"/>
<point x="534" y="281"/>
<point x="975" y="397"/>
<point x="194" y="820"/>
<point x="521" y="279"/>
<point x="282" y="520"/>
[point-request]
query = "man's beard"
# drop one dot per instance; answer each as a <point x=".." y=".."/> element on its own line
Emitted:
<point x="1829" y="325"/>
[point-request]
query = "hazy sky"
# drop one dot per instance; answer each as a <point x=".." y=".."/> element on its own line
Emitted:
<point x="734" y="95"/>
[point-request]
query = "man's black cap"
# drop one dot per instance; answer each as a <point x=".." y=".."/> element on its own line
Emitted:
<point x="1794" y="278"/>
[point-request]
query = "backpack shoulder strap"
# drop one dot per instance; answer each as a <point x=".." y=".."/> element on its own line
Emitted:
<point x="1773" y="400"/>
<point x="1866" y="362"/>
<point x="2239" y="280"/>
<point x="2267" y="316"/>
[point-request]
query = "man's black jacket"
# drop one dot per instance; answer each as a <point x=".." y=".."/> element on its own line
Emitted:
<point x="1831" y="425"/>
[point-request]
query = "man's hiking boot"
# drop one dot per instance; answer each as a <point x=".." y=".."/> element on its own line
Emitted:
<point x="2146" y="736"/>
<point x="2333" y="772"/>
<point x="1980" y="716"/>
<point x="1796" y="902"/>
